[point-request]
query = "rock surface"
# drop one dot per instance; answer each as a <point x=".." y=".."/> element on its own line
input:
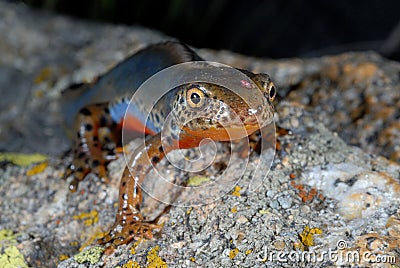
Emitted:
<point x="334" y="183"/>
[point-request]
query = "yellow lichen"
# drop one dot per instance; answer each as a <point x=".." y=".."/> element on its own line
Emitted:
<point x="131" y="264"/>
<point x="155" y="261"/>
<point x="89" y="218"/>
<point x="197" y="181"/>
<point x="189" y="211"/>
<point x="263" y="211"/>
<point x="37" y="169"/>
<point x="233" y="253"/>
<point x="11" y="256"/>
<point x="7" y="235"/>
<point x="234" y="209"/>
<point x="307" y="235"/>
<point x="134" y="246"/>
<point x="92" y="238"/>
<point x="74" y="243"/>
<point x="63" y="257"/>
<point x="236" y="191"/>
<point x="91" y="255"/>
<point x="22" y="160"/>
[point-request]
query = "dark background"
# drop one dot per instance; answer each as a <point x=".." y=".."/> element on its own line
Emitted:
<point x="270" y="28"/>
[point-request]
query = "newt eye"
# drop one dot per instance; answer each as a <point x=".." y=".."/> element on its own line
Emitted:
<point x="195" y="97"/>
<point x="272" y="92"/>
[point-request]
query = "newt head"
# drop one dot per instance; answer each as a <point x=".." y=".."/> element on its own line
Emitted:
<point x="206" y="110"/>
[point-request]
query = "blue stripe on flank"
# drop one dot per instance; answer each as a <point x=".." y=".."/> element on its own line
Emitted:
<point x="117" y="112"/>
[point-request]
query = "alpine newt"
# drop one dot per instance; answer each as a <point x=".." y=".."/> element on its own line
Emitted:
<point x="100" y="110"/>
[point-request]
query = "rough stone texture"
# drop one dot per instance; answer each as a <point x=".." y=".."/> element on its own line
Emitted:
<point x="318" y="179"/>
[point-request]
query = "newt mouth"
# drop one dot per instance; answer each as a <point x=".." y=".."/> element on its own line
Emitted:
<point x="223" y="133"/>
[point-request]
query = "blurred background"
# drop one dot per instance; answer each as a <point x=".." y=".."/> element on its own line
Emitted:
<point x="268" y="28"/>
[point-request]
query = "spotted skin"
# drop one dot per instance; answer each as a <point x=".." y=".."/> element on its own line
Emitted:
<point x="97" y="137"/>
<point x="226" y="114"/>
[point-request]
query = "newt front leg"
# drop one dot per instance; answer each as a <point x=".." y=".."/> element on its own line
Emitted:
<point x="129" y="223"/>
<point x="97" y="136"/>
